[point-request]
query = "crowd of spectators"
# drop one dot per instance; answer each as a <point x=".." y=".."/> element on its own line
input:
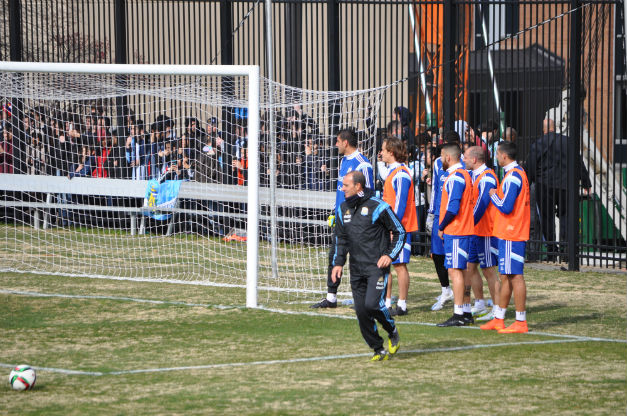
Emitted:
<point x="41" y="142"/>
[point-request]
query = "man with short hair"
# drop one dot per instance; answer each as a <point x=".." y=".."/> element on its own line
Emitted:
<point x="483" y="246"/>
<point x="353" y="160"/>
<point x="455" y="228"/>
<point x="364" y="226"/>
<point x="437" y="244"/>
<point x="511" y="226"/>
<point x="398" y="192"/>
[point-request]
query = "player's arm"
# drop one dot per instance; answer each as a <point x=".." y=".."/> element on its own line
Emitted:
<point x="390" y="221"/>
<point x="382" y="170"/>
<point x="483" y="201"/>
<point x="511" y="188"/>
<point x="366" y="169"/>
<point x="341" y="240"/>
<point x="402" y="187"/>
<point x="455" y="187"/>
<point x="434" y="183"/>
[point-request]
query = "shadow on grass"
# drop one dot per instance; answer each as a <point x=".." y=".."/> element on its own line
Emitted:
<point x="561" y="321"/>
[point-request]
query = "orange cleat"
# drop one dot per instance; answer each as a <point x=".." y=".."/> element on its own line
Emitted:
<point x="496" y="324"/>
<point x="518" y="327"/>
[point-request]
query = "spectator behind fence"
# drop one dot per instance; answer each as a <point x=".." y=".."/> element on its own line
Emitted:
<point x="152" y="151"/>
<point x="419" y="173"/>
<point x="102" y="154"/>
<point x="116" y="160"/>
<point x="312" y="167"/>
<point x="547" y="167"/>
<point x="36" y="155"/>
<point x="85" y="165"/>
<point x="6" y="149"/>
<point x="133" y="153"/>
<point x="490" y="136"/>
<point x="511" y="135"/>
<point x="404" y="116"/>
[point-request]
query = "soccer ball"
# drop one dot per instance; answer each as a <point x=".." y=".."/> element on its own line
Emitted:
<point x="22" y="377"/>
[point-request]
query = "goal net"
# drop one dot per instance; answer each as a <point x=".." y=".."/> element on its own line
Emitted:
<point x="167" y="174"/>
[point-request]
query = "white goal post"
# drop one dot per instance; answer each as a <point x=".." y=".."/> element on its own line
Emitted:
<point x="249" y="71"/>
<point x="204" y="175"/>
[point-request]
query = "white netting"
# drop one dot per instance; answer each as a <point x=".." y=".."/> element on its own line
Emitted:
<point x="82" y="149"/>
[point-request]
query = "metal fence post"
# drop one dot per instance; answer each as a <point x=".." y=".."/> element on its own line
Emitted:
<point x="121" y="103"/>
<point x="574" y="121"/>
<point x="448" y="51"/>
<point x="333" y="29"/>
<point x="294" y="44"/>
<point x="15" y="29"/>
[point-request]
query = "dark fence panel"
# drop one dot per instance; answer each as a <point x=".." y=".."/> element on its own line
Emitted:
<point x="501" y="66"/>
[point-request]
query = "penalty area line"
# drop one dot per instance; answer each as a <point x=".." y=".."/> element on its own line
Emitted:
<point x="289" y="361"/>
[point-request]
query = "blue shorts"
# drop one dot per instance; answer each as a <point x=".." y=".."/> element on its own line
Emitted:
<point x="484" y="250"/>
<point x="403" y="258"/>
<point x="511" y="256"/>
<point x="437" y="245"/>
<point x="456" y="249"/>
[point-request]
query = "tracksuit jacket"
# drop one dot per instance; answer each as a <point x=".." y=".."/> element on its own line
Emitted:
<point x="364" y="231"/>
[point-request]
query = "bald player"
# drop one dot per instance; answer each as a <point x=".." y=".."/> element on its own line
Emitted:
<point x="483" y="245"/>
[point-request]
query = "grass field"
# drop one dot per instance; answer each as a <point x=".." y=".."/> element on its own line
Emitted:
<point x="101" y="348"/>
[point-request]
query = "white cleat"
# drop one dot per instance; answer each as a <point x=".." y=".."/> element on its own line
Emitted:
<point x="479" y="312"/>
<point x="442" y="299"/>
<point x="487" y="317"/>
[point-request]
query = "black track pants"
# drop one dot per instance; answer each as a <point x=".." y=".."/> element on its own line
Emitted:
<point x="368" y="295"/>
<point x="332" y="287"/>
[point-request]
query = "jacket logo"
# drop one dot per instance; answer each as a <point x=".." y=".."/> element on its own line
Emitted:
<point x="364" y="211"/>
<point x="347" y="216"/>
<point x="380" y="284"/>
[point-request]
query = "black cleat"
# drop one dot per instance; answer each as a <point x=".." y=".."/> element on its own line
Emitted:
<point x="398" y="311"/>
<point x="324" y="303"/>
<point x="468" y="319"/>
<point x="455" y="320"/>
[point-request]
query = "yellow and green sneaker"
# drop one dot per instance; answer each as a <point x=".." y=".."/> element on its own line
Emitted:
<point x="381" y="355"/>
<point x="394" y="342"/>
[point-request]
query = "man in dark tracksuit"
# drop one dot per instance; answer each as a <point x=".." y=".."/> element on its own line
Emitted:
<point x="547" y="167"/>
<point x="364" y="227"/>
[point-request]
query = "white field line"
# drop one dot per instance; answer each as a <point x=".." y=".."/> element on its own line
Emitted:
<point x="274" y="310"/>
<point x="288" y="361"/>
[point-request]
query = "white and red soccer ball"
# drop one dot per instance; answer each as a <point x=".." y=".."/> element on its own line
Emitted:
<point x="22" y="377"/>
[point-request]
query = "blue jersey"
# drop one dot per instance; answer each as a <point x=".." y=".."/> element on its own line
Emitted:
<point x="354" y="161"/>
<point x="487" y="182"/>
<point x="401" y="186"/>
<point x="511" y="186"/>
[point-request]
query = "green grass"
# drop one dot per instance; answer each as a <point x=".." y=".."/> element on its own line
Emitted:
<point x="108" y="335"/>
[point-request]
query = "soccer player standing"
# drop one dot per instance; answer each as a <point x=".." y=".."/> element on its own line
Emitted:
<point x="398" y="192"/>
<point x="437" y="244"/>
<point x="483" y="246"/>
<point x="455" y="228"/>
<point x="353" y="160"/>
<point x="511" y="226"/>
<point x="364" y="226"/>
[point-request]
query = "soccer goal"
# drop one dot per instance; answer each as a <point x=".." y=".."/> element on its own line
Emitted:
<point x="164" y="173"/>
